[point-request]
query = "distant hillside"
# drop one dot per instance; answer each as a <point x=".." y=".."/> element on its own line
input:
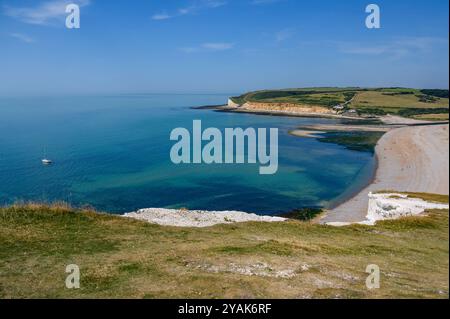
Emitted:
<point x="380" y="101"/>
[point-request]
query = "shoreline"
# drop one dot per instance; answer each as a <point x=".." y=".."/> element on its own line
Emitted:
<point x="385" y="121"/>
<point x="353" y="191"/>
<point x="351" y="206"/>
<point x="228" y="109"/>
<point x="408" y="160"/>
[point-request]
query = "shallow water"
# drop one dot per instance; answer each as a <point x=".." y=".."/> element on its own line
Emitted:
<point x="112" y="153"/>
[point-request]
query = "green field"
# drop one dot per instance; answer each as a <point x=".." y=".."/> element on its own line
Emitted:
<point x="398" y="101"/>
<point x="328" y="97"/>
<point x="122" y="258"/>
<point x="427" y="104"/>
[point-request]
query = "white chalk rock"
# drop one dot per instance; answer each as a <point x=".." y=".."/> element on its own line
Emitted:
<point x="196" y="218"/>
<point x="392" y="206"/>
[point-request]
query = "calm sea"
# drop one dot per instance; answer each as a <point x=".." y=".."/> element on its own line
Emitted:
<point x="112" y="153"/>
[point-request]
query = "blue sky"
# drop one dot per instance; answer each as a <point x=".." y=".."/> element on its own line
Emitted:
<point x="219" y="46"/>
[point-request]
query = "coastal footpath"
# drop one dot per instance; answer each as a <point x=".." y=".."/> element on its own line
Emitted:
<point x="410" y="159"/>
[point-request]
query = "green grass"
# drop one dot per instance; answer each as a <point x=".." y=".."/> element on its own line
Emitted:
<point x="327" y="97"/>
<point x="123" y="258"/>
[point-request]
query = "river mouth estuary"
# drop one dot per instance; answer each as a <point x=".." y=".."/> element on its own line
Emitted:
<point x="112" y="153"/>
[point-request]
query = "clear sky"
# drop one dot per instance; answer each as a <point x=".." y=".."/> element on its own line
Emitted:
<point x="219" y="46"/>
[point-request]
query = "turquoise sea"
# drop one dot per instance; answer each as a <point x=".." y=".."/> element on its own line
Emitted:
<point x="112" y="153"/>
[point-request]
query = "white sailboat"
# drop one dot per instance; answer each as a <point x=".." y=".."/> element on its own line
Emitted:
<point x="45" y="160"/>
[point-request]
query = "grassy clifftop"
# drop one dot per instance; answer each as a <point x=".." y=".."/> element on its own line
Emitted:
<point x="401" y="101"/>
<point x="126" y="258"/>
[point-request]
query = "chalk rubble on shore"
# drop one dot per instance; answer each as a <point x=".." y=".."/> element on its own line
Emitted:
<point x="387" y="206"/>
<point x="392" y="206"/>
<point x="196" y="218"/>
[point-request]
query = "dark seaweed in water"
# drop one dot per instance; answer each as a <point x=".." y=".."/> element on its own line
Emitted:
<point x="356" y="141"/>
<point x="303" y="214"/>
